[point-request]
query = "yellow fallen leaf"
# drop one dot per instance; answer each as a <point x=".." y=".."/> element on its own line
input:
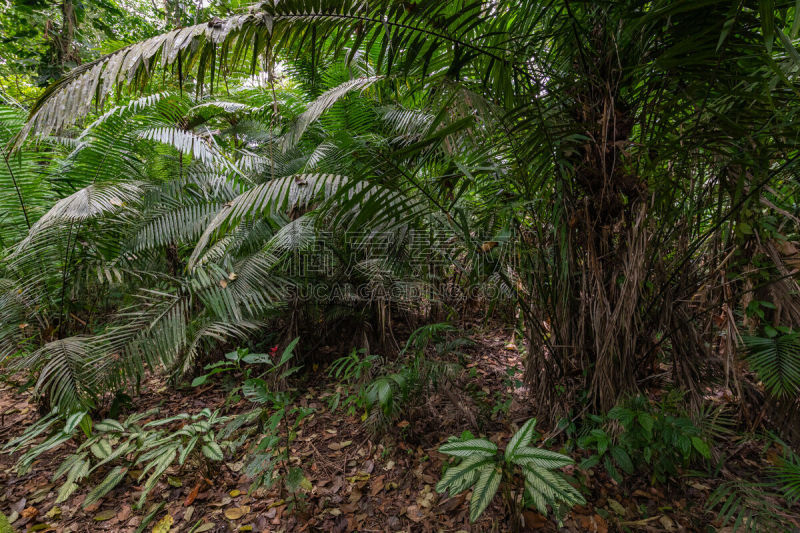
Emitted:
<point x="361" y="476"/>
<point x="105" y="515"/>
<point x="616" y="507"/>
<point x="164" y="525"/>
<point x="235" y="513"/>
<point x="235" y="492"/>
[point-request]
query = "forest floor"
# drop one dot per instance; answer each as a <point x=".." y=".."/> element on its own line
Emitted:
<point x="361" y="482"/>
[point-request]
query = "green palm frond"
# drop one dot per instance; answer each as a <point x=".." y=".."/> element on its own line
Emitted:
<point x="776" y="360"/>
<point x="90" y="202"/>
<point x="748" y="506"/>
<point x="282" y="24"/>
<point x="220" y="332"/>
<point x="787" y="476"/>
<point x="24" y="193"/>
<point x="324" y="102"/>
<point x="187" y="142"/>
<point x="279" y="195"/>
<point x="72" y="96"/>
<point x="66" y="377"/>
<point x="182" y="223"/>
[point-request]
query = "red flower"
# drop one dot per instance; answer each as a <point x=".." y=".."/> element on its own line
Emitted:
<point x="273" y="351"/>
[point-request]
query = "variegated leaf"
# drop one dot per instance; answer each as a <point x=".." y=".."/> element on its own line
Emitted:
<point x="459" y="477"/>
<point x="480" y="447"/>
<point x="521" y="438"/>
<point x="484" y="491"/>
<point x="113" y="478"/>
<point x="541" y="458"/>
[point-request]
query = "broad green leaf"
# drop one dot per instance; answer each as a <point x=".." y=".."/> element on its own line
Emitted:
<point x="201" y="426"/>
<point x="256" y="390"/>
<point x="590" y="462"/>
<point x="68" y="464"/>
<point x="551" y="486"/>
<point x="78" y="469"/>
<point x="257" y="358"/>
<point x="66" y="490"/>
<point x="701" y="447"/>
<point x="611" y="469"/>
<point x="288" y="351"/>
<point x="122" y="449"/>
<point x="789" y="47"/>
<point x="168" y="420"/>
<point x="622" y="458"/>
<point x="647" y="422"/>
<point x="86" y="425"/>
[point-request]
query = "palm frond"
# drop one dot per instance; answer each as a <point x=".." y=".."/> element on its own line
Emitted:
<point x="324" y="102"/>
<point x="776" y="360"/>
<point x="279" y="195"/>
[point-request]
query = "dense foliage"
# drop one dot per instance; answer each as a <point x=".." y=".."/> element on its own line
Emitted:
<point x="616" y="179"/>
